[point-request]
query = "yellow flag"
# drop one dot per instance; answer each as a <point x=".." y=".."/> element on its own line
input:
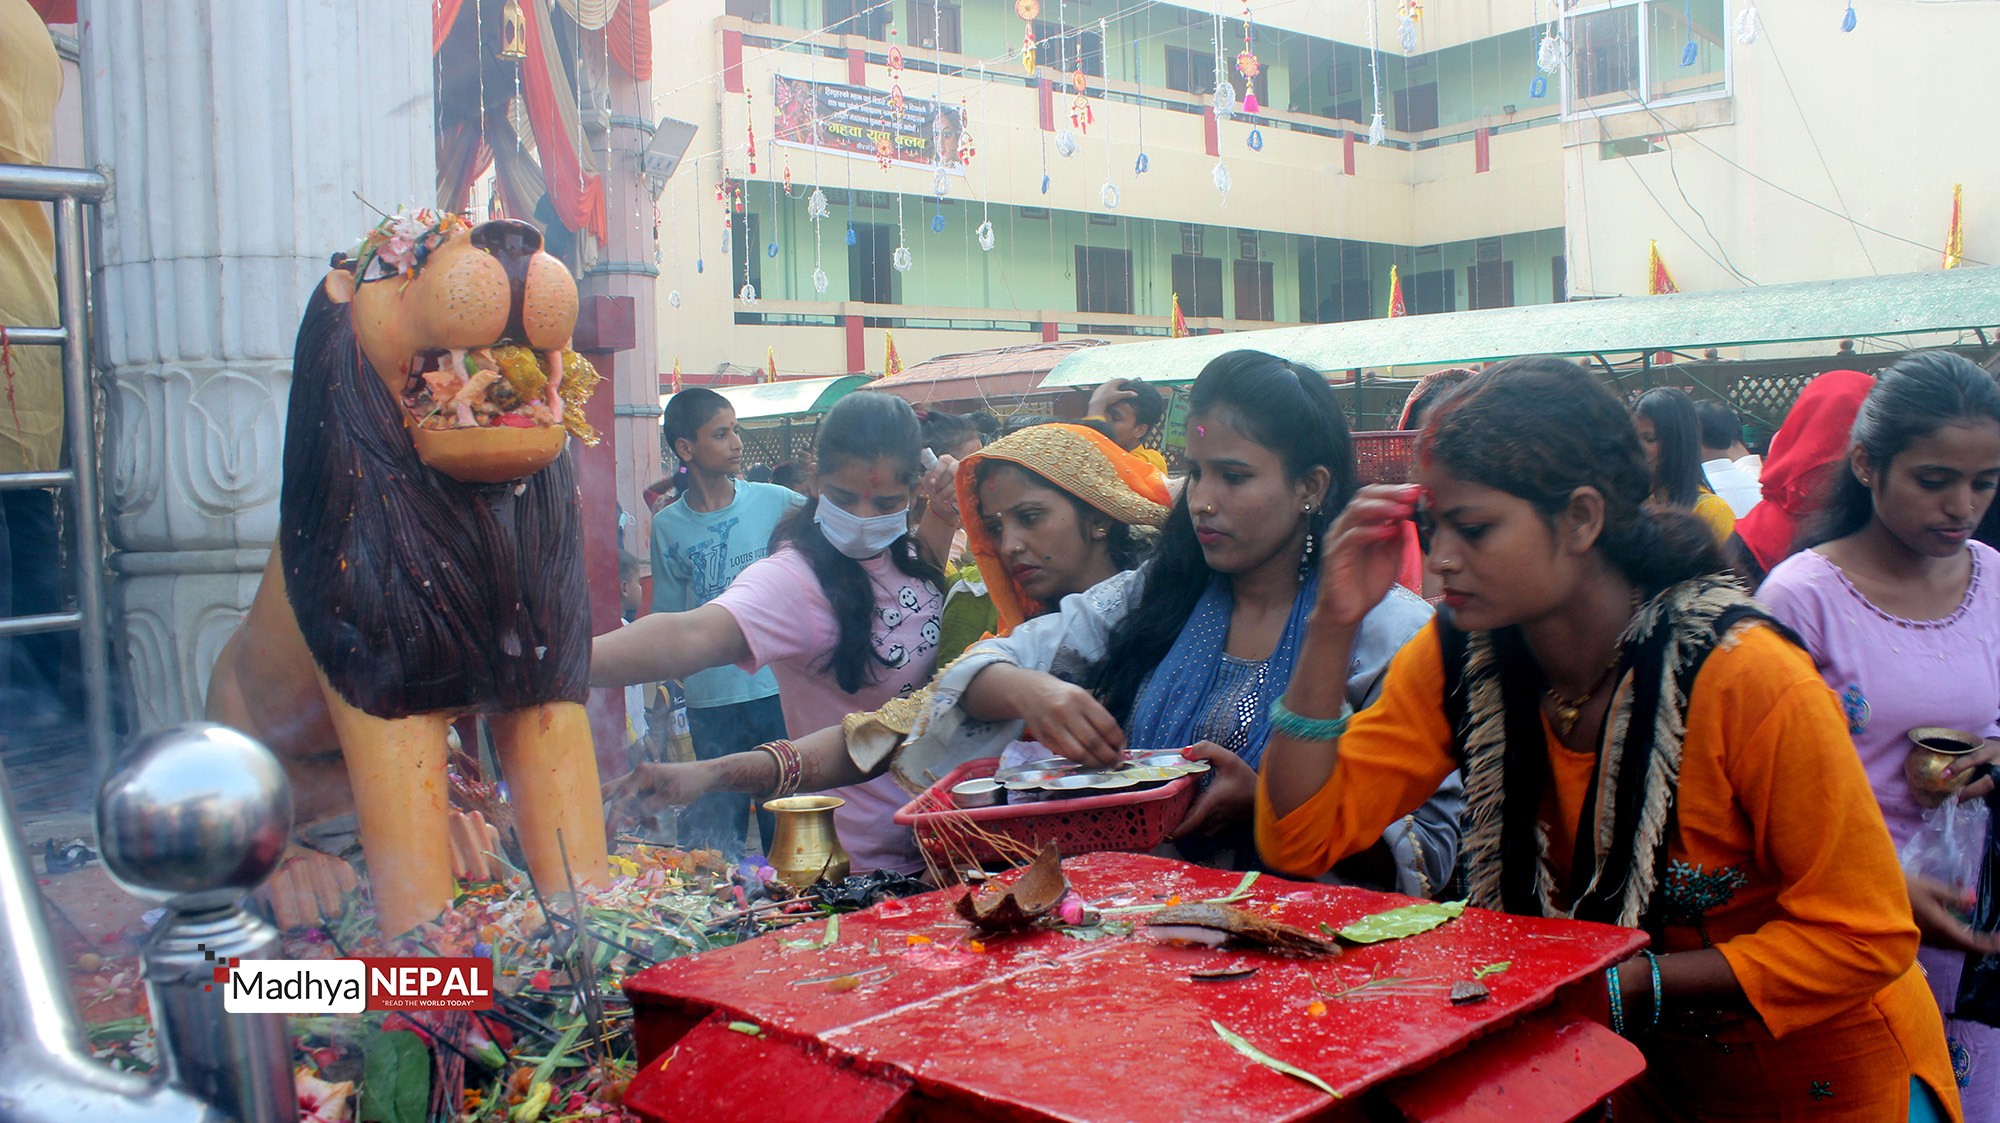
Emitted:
<point x="1954" y="242"/>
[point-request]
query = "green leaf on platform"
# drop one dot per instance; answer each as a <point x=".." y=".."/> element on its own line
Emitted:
<point x="1237" y="1043"/>
<point x="750" y="1029"/>
<point x="1492" y="969"/>
<point x="1398" y="923"/>
<point x="396" y="1076"/>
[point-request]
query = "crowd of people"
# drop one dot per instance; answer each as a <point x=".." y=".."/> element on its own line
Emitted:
<point x="1594" y="662"/>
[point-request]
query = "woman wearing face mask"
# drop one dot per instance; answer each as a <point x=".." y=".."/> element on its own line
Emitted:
<point x="845" y="610"/>
<point x="1057" y="511"/>
<point x="1670" y="431"/>
<point x="1641" y="746"/>
<point x="1902" y="614"/>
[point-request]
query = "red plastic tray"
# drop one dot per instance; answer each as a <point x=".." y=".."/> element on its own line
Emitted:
<point x="952" y="836"/>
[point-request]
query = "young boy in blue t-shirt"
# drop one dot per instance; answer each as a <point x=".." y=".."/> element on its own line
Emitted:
<point x="701" y="541"/>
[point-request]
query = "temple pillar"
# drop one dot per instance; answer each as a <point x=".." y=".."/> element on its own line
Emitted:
<point x="237" y="135"/>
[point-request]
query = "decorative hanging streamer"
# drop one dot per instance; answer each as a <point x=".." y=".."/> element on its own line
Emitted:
<point x="1847" y="20"/>
<point x="770" y="365"/>
<point x="1247" y="64"/>
<point x="1377" y="129"/>
<point x="1748" y="24"/>
<point x="1027" y="10"/>
<point x="901" y="258"/>
<point x="1255" y="140"/>
<point x="1225" y="94"/>
<point x="674" y="380"/>
<point x="569" y="170"/>
<point x="1220" y="174"/>
<point x="1396" y="305"/>
<point x="1658" y="280"/>
<point x="985" y="231"/>
<point x="1407" y="14"/>
<point x="1690" y="51"/>
<point x="748" y="293"/>
<point x="1081" y="116"/>
<point x="1140" y="165"/>
<point x="1179" y="330"/>
<point x="1066" y="143"/>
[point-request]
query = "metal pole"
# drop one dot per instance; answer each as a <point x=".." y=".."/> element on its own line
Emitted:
<point x="80" y="421"/>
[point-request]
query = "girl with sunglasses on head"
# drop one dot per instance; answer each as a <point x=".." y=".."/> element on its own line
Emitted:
<point x="1641" y="745"/>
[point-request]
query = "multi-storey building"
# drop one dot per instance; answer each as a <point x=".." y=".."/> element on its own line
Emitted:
<point x="1528" y="151"/>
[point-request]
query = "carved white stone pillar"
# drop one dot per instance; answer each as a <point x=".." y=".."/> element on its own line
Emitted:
<point x="236" y="134"/>
<point x="625" y="267"/>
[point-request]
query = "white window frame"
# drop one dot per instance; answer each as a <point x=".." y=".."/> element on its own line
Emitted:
<point x="1639" y="104"/>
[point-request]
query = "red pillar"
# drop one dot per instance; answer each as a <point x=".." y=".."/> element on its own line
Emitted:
<point x="857" y="350"/>
<point x="604" y="326"/>
<point x="1211" y="133"/>
<point x="1347" y="152"/>
<point x="1048" y="331"/>
<point x="732" y="62"/>
<point x="1482" y="150"/>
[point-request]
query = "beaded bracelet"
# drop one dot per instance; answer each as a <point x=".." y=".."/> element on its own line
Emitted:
<point x="791" y="766"/>
<point x="1659" y="1000"/>
<point x="1616" y="994"/>
<point x="1308" y="728"/>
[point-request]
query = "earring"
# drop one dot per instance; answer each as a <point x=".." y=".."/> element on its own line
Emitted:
<point x="1308" y="508"/>
<point x="1100" y="532"/>
<point x="1306" y="559"/>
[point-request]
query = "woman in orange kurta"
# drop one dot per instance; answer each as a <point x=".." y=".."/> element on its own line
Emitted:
<point x="1640" y="746"/>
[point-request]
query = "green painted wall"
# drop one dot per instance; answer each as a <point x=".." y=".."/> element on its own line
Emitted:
<point x="1033" y="263"/>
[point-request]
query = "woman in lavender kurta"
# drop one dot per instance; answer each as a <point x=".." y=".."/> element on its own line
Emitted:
<point x="1901" y="609"/>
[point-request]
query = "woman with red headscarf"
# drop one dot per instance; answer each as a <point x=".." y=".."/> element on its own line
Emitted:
<point x="1810" y="444"/>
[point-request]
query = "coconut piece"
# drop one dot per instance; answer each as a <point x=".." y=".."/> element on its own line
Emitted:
<point x="1215" y="925"/>
<point x="1034" y="894"/>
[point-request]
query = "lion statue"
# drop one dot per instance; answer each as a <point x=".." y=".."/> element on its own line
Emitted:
<point x="429" y="566"/>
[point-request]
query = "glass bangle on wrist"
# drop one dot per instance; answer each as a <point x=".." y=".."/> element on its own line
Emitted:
<point x="1308" y="728"/>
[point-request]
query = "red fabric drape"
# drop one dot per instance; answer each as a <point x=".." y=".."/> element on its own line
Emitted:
<point x="58" y="12"/>
<point x="444" y="13"/>
<point x="578" y="199"/>
<point x="630" y="36"/>
<point x="462" y="158"/>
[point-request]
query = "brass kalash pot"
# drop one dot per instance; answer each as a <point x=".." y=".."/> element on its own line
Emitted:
<point x="1932" y="750"/>
<point x="804" y="847"/>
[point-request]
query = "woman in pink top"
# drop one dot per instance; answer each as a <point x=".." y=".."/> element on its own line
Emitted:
<point x="1901" y="610"/>
<point x="845" y="610"/>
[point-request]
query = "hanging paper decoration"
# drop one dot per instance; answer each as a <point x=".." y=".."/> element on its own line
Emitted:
<point x="1080" y="113"/>
<point x="1539" y="87"/>
<point x="1045" y="183"/>
<point x="816" y="205"/>
<point x="1255" y="140"/>
<point x="1377" y="129"/>
<point x="937" y="223"/>
<point x="985" y="235"/>
<point x="1108" y="195"/>
<point x="966" y="149"/>
<point x="1065" y="143"/>
<point x="941" y="183"/>
<point x="885" y="154"/>
<point x="1847" y="21"/>
<point x="750" y="130"/>
<point x="1690" y="52"/>
<point x="1407" y="14"/>
<point x="1224" y="100"/>
<point x="896" y="99"/>
<point x="851" y="239"/>
<point x="674" y="297"/>
<point x="902" y="259"/>
<point x="1396" y="305"/>
<point x="1221" y="177"/>
<point x="748" y="293"/>
<point x="1142" y="165"/>
<point x="1658" y="280"/>
<point x="819" y="279"/>
<point x="1748" y="24"/>
<point x="771" y="249"/>
<point x="513" y="32"/>
<point x="1028" y="51"/>
<point x="770" y="365"/>
<point x="674" y="383"/>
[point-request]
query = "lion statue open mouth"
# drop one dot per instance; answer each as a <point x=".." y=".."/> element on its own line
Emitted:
<point x="429" y="565"/>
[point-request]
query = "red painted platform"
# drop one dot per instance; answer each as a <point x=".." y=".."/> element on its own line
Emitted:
<point x="1044" y="1026"/>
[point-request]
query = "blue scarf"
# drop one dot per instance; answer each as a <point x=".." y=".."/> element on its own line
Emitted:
<point x="1174" y="700"/>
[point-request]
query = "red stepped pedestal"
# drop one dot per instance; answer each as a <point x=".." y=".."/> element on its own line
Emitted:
<point x="1043" y="1026"/>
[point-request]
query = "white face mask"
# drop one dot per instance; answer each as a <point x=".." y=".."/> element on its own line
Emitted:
<point x="857" y="537"/>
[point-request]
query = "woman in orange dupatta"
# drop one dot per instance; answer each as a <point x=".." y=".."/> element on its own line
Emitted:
<point x="1641" y="746"/>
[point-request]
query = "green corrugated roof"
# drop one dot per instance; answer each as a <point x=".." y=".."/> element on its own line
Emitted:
<point x="791" y="397"/>
<point x="1903" y="304"/>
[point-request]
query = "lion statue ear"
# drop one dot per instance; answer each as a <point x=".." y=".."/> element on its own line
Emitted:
<point x="339" y="281"/>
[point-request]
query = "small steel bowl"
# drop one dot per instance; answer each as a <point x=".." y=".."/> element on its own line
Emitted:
<point x="1078" y="783"/>
<point x="1933" y="749"/>
<point x="982" y="792"/>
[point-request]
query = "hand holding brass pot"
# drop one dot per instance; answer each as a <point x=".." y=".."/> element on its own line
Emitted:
<point x="1933" y="750"/>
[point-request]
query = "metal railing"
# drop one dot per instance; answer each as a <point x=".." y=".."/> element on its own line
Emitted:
<point x="68" y="189"/>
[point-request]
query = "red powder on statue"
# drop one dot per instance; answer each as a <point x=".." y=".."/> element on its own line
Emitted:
<point x="7" y="366"/>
